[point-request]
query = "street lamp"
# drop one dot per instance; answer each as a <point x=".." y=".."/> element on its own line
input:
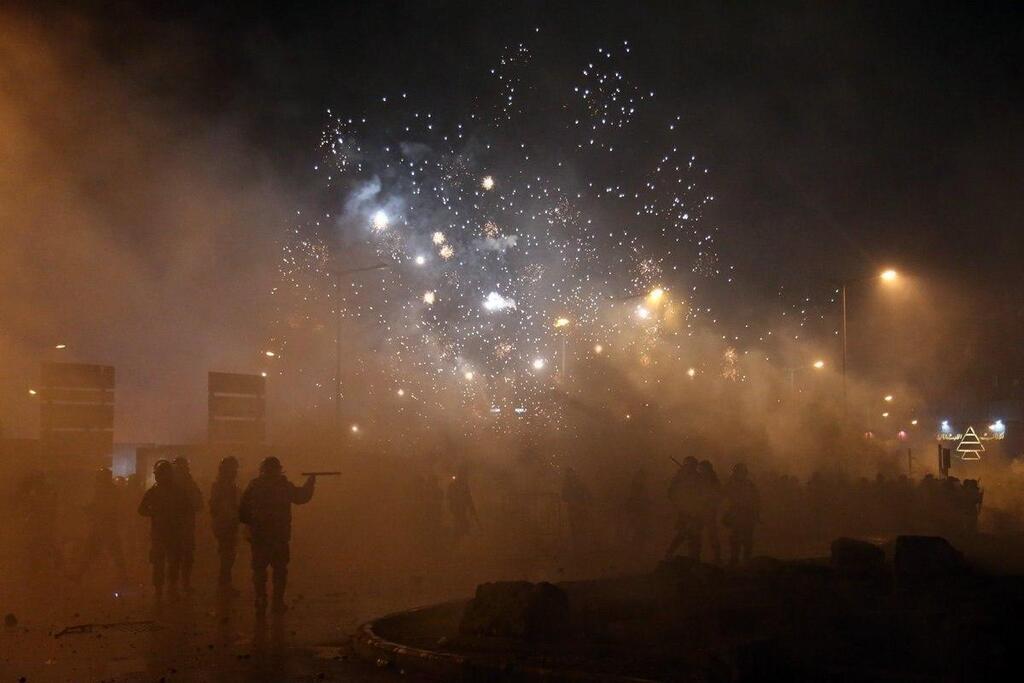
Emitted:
<point x="562" y="324"/>
<point x="817" y="365"/>
<point x="888" y="276"/>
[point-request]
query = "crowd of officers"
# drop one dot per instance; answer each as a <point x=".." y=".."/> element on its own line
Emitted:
<point x="702" y="504"/>
<point x="172" y="505"/>
<point x="173" y="502"/>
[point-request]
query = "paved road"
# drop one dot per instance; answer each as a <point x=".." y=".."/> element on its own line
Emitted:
<point x="195" y="640"/>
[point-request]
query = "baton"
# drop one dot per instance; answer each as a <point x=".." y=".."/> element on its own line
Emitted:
<point x="321" y="474"/>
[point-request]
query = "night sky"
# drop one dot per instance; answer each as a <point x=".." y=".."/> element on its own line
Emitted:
<point x="840" y="138"/>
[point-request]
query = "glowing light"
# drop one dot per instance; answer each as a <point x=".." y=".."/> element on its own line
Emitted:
<point x="428" y="298"/>
<point x="401" y="392"/>
<point x="538" y="363"/>
<point x="656" y="295"/>
<point x="598" y="349"/>
<point x="888" y="398"/>
<point x="32" y="392"/>
<point x="355" y="429"/>
<point x="642" y="313"/>
<point x="269" y="354"/>
<point x="468" y="375"/>
<point x="420" y="260"/>
<point x="691" y="372"/>
<point x="889" y="275"/>
<point x="488" y="183"/>
<point x="438" y="237"/>
<point x="945" y="427"/>
<point x="61" y="346"/>
<point x="561" y="322"/>
<point x="885" y="414"/>
<point x="496" y="302"/>
<point x="446" y="252"/>
<point x="380" y="221"/>
<point x="997" y="427"/>
<point x="263" y="374"/>
<point x="913" y="422"/>
<point x="819" y="364"/>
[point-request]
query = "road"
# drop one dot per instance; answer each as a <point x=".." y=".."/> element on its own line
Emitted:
<point x="197" y="639"/>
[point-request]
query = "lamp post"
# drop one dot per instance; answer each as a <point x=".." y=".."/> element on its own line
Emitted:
<point x="338" y="274"/>
<point x="887" y="276"/>
<point x="817" y="365"/>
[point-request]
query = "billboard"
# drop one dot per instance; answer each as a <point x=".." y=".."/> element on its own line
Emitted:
<point x="77" y="409"/>
<point x="237" y="405"/>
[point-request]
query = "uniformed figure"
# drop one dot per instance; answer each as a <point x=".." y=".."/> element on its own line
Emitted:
<point x="460" y="503"/>
<point x="183" y="477"/>
<point x="104" y="525"/>
<point x="39" y="503"/>
<point x="224" y="518"/>
<point x="266" y="508"/>
<point x="742" y="512"/>
<point x="683" y="492"/>
<point x="167" y="507"/>
<point x="709" y="494"/>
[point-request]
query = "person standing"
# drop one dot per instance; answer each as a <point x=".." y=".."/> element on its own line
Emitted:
<point x="683" y="494"/>
<point x="266" y="508"/>
<point x="183" y="477"/>
<point x="460" y="503"/>
<point x="167" y="507"/>
<point x="104" y="525"/>
<point x="742" y="512"/>
<point x="224" y="517"/>
<point x="710" y="497"/>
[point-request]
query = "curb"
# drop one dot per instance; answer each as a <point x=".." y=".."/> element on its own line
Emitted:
<point x="376" y="649"/>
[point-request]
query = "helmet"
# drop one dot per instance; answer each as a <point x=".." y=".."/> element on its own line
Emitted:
<point x="163" y="470"/>
<point x="270" y="465"/>
<point x="228" y="464"/>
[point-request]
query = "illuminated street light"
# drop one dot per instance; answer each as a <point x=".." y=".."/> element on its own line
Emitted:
<point x="888" y="276"/>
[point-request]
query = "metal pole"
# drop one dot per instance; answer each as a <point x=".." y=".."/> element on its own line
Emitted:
<point x="337" y="352"/>
<point x="844" y="349"/>
<point x="564" y="378"/>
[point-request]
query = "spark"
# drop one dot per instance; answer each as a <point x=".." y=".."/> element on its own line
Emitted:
<point x="380" y="221"/>
<point x="488" y="183"/>
<point x="428" y="298"/>
<point x="539" y="363"/>
<point x="496" y="302"/>
<point x="438" y="237"/>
